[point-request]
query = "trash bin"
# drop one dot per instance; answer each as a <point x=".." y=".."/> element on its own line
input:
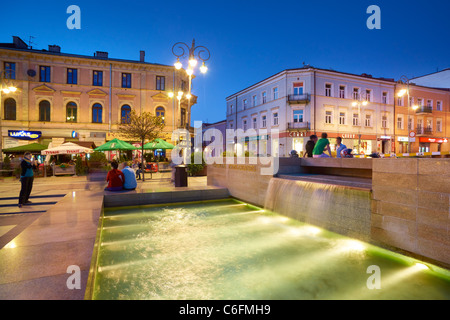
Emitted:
<point x="181" y="176"/>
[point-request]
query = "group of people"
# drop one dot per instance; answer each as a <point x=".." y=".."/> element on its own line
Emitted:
<point x="124" y="179"/>
<point x="316" y="148"/>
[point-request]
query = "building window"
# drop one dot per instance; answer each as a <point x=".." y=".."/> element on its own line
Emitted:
<point x="264" y="121"/>
<point x="275" y="119"/>
<point x="356" y="93"/>
<point x="231" y="109"/>
<point x="399" y="123"/>
<point x="298" y="88"/>
<point x="420" y="102"/>
<point x="368" y="95"/>
<point x="400" y="101"/>
<point x="342" y="118"/>
<point x="245" y="104"/>
<point x="72" y="76"/>
<point x="384" y="98"/>
<point x="384" y="122"/>
<point x="10" y="109"/>
<point x="368" y="120"/>
<point x="410" y="123"/>
<point x="439" y="125"/>
<point x="183" y="85"/>
<point x="275" y="93"/>
<point x="430" y="104"/>
<point x="264" y="97"/>
<point x="10" y="70"/>
<point x="97" y="79"/>
<point x="44" y="74"/>
<point x="97" y="111"/>
<point x="439" y="105"/>
<point x="71" y="112"/>
<point x="254" y="101"/>
<point x="342" y="92"/>
<point x="125" y="114"/>
<point x="231" y="124"/>
<point x="244" y="125"/>
<point x="429" y="124"/>
<point x="328" y="116"/>
<point x="160" y="83"/>
<point x="44" y="111"/>
<point x="328" y="89"/>
<point x="255" y="123"/>
<point x="126" y="80"/>
<point x="411" y="101"/>
<point x="160" y="112"/>
<point x="298" y="115"/>
<point x="356" y="119"/>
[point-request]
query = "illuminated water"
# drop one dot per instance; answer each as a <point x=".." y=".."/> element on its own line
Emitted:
<point x="229" y="250"/>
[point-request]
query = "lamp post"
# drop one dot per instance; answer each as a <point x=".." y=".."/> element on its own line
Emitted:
<point x="6" y="87"/>
<point x="181" y="50"/>
<point x="360" y="101"/>
<point x="401" y="93"/>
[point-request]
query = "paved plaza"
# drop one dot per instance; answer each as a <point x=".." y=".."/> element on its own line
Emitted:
<point x="38" y="242"/>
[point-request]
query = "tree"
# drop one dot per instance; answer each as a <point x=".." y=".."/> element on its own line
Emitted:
<point x="142" y="127"/>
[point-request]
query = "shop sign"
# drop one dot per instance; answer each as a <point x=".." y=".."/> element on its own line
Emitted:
<point x="24" y="135"/>
<point x="349" y="136"/>
<point x="294" y="134"/>
<point x="385" y="137"/>
<point x="402" y="139"/>
<point x="433" y="140"/>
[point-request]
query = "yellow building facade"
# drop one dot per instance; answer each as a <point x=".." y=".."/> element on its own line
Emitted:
<point x="71" y="97"/>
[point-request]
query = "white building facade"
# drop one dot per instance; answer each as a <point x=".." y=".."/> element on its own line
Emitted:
<point x="305" y="101"/>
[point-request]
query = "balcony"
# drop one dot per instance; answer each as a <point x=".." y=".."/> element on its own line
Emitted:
<point x="298" y="98"/>
<point x="298" y="125"/>
<point x="424" y="109"/>
<point x="421" y="131"/>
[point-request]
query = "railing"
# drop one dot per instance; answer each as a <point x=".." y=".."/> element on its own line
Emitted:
<point x="298" y="125"/>
<point x="424" y="131"/>
<point x="424" y="109"/>
<point x="298" y="98"/>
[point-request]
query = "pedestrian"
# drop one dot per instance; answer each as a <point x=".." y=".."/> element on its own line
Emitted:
<point x="115" y="178"/>
<point x="130" y="182"/>
<point x="137" y="167"/>
<point x="340" y="147"/>
<point x="320" y="147"/>
<point x="310" y="146"/>
<point x="26" y="178"/>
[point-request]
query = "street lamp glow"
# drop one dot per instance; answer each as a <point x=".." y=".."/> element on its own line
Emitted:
<point x="365" y="103"/>
<point x="12" y="89"/>
<point x="6" y="90"/>
<point x="192" y="62"/>
<point x="178" y="64"/>
<point x="415" y="107"/>
<point x="402" y="92"/>
<point x="189" y="71"/>
<point x="188" y="96"/>
<point x="203" y="68"/>
<point x="354" y="103"/>
<point x="170" y="94"/>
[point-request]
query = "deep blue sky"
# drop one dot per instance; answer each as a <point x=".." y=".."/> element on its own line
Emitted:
<point x="249" y="40"/>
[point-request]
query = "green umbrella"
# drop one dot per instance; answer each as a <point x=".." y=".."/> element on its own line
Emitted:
<point x="115" y="144"/>
<point x="158" y="144"/>
<point x="32" y="147"/>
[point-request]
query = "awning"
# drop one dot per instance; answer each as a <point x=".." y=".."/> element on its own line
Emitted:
<point x="67" y="148"/>
<point x="32" y="147"/>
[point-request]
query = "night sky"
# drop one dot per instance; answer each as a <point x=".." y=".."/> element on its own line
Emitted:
<point x="249" y="40"/>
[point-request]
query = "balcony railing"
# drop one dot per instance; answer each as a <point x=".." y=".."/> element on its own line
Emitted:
<point x="420" y="131"/>
<point x="298" y="98"/>
<point x="298" y="125"/>
<point x="424" y="109"/>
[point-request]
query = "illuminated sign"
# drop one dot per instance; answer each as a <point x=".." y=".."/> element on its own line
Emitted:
<point x="24" y="135"/>
<point x="348" y="136"/>
<point x="385" y="137"/>
<point x="402" y="139"/>
<point x="297" y="134"/>
<point x="433" y="140"/>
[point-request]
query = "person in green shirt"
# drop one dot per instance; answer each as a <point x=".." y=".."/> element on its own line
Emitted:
<point x="321" y="145"/>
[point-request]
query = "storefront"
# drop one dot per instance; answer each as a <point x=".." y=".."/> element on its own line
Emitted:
<point x="360" y="144"/>
<point x="402" y="145"/>
<point x="296" y="140"/>
<point x="431" y="144"/>
<point x="385" y="144"/>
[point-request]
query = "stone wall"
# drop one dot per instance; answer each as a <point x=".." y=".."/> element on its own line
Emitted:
<point x="411" y="206"/>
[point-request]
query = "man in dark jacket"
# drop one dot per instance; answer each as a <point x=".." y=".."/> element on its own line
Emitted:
<point x="310" y="146"/>
<point x="26" y="178"/>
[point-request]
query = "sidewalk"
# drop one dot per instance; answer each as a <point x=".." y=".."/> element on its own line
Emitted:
<point x="40" y="241"/>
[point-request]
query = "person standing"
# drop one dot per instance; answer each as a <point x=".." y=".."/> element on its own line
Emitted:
<point x="26" y="178"/>
<point x="310" y="146"/>
<point x="321" y="145"/>
<point x="130" y="178"/>
<point x="340" y="147"/>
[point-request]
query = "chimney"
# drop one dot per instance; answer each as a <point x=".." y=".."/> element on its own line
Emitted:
<point x="54" y="48"/>
<point x="142" y="57"/>
<point x="101" y="54"/>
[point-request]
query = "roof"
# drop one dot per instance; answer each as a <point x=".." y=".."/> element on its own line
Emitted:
<point x="86" y="144"/>
<point x="32" y="147"/>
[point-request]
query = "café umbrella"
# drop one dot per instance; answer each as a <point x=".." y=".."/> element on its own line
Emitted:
<point x="66" y="148"/>
<point x="158" y="144"/>
<point x="115" y="144"/>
